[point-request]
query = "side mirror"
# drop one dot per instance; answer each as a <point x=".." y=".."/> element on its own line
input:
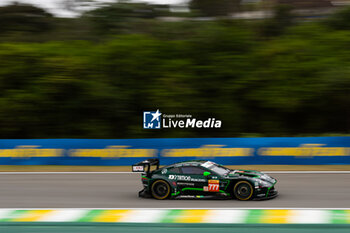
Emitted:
<point x="206" y="173"/>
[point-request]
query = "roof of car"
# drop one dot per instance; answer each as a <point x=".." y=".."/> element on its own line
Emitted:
<point x="188" y="163"/>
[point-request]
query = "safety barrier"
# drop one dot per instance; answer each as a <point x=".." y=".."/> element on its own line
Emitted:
<point x="227" y="151"/>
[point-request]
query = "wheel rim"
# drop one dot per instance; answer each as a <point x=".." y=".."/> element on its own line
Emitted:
<point x="160" y="190"/>
<point x="243" y="191"/>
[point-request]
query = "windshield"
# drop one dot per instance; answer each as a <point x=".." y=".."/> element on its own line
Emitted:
<point x="219" y="170"/>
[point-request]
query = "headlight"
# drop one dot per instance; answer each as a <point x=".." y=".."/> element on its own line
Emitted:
<point x="264" y="183"/>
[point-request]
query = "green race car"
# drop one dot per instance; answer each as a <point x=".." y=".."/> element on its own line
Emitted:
<point x="203" y="179"/>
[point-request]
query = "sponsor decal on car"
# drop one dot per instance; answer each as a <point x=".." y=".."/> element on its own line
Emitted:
<point x="213" y="181"/>
<point x="138" y="168"/>
<point x="183" y="183"/>
<point x="198" y="180"/>
<point x="179" y="177"/>
<point x="213" y="185"/>
<point x="185" y="178"/>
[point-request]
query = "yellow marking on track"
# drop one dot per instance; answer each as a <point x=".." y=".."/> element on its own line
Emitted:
<point x="111" y="216"/>
<point x="276" y="216"/>
<point x="33" y="216"/>
<point x="191" y="216"/>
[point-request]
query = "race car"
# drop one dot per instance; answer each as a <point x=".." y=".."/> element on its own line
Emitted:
<point x="202" y="179"/>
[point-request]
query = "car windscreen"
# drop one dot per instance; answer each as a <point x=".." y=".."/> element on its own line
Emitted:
<point x="218" y="170"/>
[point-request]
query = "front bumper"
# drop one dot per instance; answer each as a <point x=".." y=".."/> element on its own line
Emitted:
<point x="266" y="193"/>
<point x="270" y="196"/>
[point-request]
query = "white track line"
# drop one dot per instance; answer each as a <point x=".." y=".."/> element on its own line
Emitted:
<point x="271" y="172"/>
<point x="226" y="216"/>
<point x="144" y="215"/>
<point x="310" y="216"/>
<point x="5" y="212"/>
<point x="64" y="215"/>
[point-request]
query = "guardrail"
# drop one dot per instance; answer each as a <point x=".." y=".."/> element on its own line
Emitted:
<point x="227" y="151"/>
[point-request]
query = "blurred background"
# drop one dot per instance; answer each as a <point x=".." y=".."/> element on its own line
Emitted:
<point x="88" y="69"/>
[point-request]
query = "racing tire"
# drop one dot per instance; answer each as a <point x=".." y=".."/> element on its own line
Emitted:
<point x="160" y="189"/>
<point x="243" y="190"/>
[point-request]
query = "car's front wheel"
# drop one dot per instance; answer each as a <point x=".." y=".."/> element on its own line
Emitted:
<point x="243" y="190"/>
<point x="160" y="189"/>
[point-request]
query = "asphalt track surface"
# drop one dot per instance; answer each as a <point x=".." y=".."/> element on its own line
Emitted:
<point x="120" y="191"/>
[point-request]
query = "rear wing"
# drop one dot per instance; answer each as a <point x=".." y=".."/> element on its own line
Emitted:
<point x="145" y="166"/>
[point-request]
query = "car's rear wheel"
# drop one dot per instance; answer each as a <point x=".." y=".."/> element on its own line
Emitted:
<point x="160" y="189"/>
<point x="243" y="190"/>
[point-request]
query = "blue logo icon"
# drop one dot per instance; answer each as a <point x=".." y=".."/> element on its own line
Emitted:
<point x="151" y="120"/>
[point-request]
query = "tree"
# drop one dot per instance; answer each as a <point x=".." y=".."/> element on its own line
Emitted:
<point x="282" y="19"/>
<point x="24" y="18"/>
<point x="340" y="20"/>
<point x="215" y="7"/>
<point x="118" y="17"/>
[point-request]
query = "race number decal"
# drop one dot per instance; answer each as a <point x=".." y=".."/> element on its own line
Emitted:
<point x="213" y="185"/>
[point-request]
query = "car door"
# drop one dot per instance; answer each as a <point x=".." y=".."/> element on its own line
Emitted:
<point x="195" y="180"/>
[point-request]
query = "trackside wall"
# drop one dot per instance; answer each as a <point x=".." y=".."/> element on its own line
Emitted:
<point x="226" y="151"/>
